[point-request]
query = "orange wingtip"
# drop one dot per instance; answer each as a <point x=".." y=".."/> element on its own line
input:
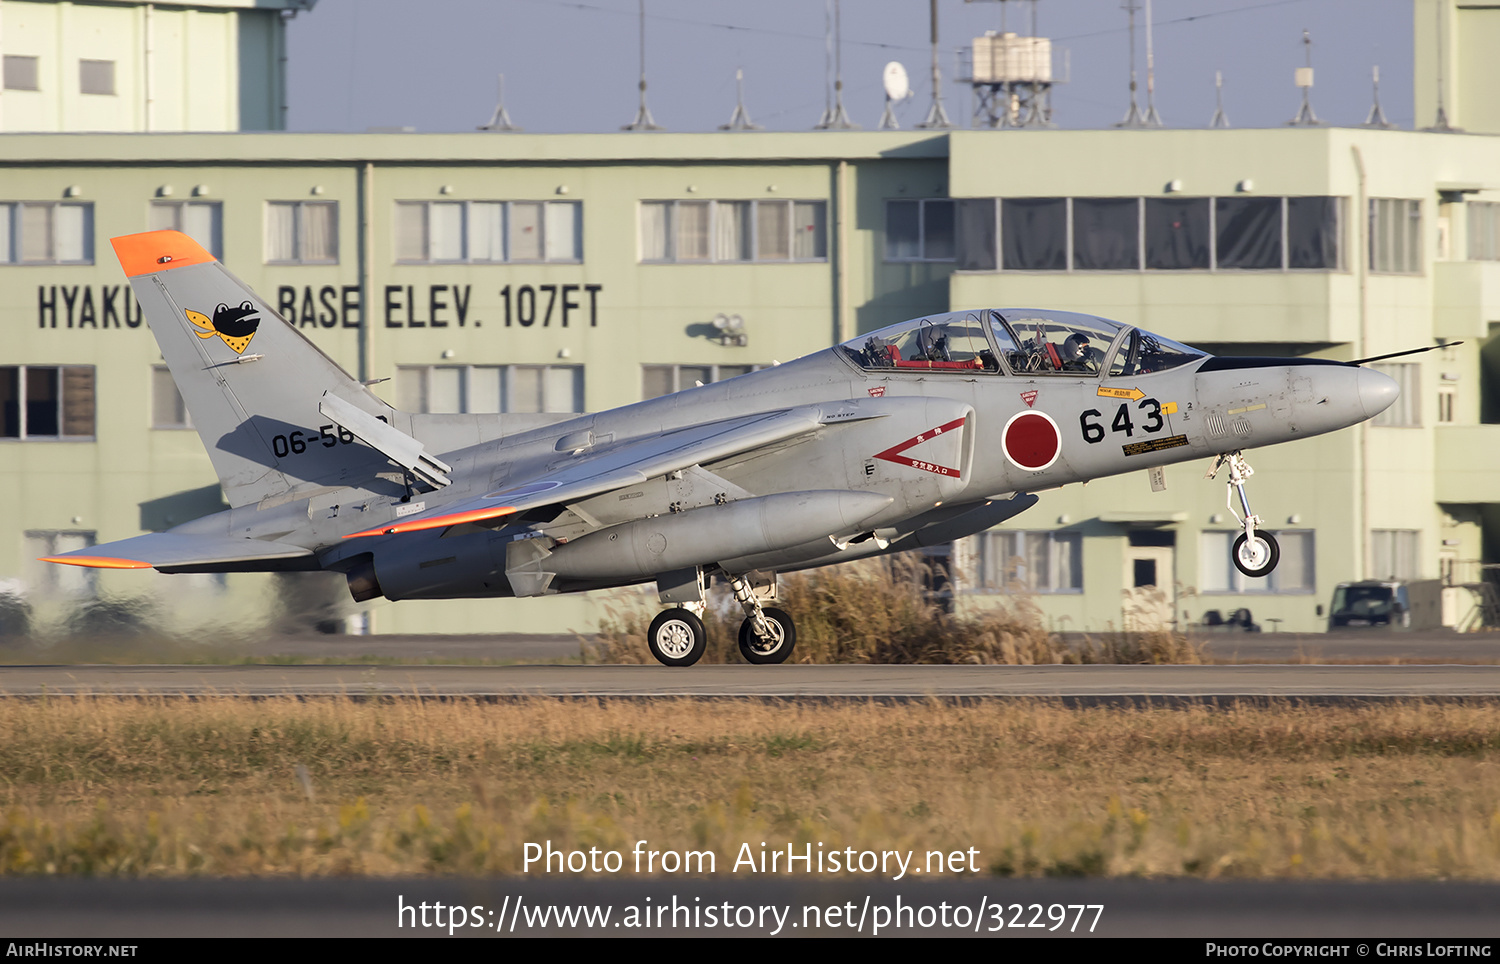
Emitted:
<point x="158" y="251"/>
<point x="97" y="562"/>
<point x="436" y="522"/>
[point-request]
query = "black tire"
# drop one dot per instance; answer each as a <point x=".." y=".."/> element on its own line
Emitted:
<point x="1268" y="545"/>
<point x="762" y="654"/>
<point x="677" y="638"/>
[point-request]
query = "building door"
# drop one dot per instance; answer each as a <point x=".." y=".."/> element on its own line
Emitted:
<point x="1150" y="595"/>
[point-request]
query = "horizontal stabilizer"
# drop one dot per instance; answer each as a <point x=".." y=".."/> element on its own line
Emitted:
<point x="168" y="551"/>
<point x="393" y="443"/>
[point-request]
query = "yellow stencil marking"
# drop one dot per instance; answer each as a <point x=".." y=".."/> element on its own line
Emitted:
<point x="1247" y="408"/>
<point x="1134" y="394"/>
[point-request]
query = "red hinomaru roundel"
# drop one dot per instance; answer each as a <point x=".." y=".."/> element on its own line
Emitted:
<point x="1031" y="440"/>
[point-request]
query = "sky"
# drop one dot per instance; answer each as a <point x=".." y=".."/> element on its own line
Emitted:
<point x="573" y="65"/>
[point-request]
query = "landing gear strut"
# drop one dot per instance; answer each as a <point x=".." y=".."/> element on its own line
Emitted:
<point x="767" y="635"/>
<point x="1256" y="551"/>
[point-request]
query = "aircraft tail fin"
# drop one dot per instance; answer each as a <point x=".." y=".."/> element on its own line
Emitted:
<point x="252" y="383"/>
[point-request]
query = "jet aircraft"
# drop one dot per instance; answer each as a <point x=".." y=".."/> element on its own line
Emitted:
<point x="913" y="435"/>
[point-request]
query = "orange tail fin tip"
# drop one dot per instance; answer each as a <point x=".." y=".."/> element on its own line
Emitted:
<point x="154" y="251"/>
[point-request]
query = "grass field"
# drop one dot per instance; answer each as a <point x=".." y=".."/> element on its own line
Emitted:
<point x="95" y="786"/>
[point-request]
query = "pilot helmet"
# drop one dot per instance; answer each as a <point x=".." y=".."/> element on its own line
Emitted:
<point x="1076" y="348"/>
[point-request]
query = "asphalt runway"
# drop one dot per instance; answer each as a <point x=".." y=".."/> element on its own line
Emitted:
<point x="1103" y="683"/>
<point x="1266" y="911"/>
<point x="1436" y="646"/>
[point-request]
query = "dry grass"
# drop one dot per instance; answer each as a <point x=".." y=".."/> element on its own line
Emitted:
<point x="212" y="787"/>
<point x="876" y="611"/>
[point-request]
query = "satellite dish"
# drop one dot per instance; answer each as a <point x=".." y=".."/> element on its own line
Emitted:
<point x="897" y="86"/>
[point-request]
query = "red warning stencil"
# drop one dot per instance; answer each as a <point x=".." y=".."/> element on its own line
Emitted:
<point x="1031" y="441"/>
<point x="893" y="454"/>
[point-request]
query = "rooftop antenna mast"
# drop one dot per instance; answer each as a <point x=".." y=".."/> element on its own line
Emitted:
<point x="1305" y="117"/>
<point x="839" y="119"/>
<point x="740" y="119"/>
<point x="1220" y="119"/>
<point x="500" y="121"/>
<point x="643" y="120"/>
<point x="1377" y="116"/>
<point x="937" y="118"/>
<point x="1152" y="118"/>
<point x="1133" y="116"/>
<point x="1440" y="123"/>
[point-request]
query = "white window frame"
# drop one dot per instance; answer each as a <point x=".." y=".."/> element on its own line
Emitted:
<point x="996" y="540"/>
<point x="10" y="61"/>
<point x="1384" y="212"/>
<point x="1395" y="538"/>
<point x="715" y="372"/>
<point x="1213" y="239"/>
<point x="46" y="579"/>
<point x="507" y="386"/>
<point x="753" y="242"/>
<point x="300" y="232"/>
<point x="215" y="245"/>
<point x="21" y="416"/>
<point x="1241" y="584"/>
<point x="12" y="232"/>
<point x="1406" y="412"/>
<point x="161" y="376"/>
<point x="506" y="256"/>
<point x="921" y="204"/>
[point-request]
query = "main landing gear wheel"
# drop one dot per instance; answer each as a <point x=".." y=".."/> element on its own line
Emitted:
<point x="1256" y="557"/>
<point x="774" y="648"/>
<point x="677" y="638"/>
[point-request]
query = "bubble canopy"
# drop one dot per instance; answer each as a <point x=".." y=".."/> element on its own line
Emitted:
<point x="1023" y="341"/>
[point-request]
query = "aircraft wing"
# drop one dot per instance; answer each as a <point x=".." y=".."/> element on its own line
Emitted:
<point x="616" y="467"/>
<point x="169" y="551"/>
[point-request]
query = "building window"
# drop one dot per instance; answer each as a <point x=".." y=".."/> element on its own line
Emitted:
<point x="489" y="389"/>
<point x="51" y="579"/>
<point x="659" y="380"/>
<point x="488" y="232"/>
<point x="1395" y="235"/>
<point x="1295" y="573"/>
<point x="1178" y="234"/>
<point x="21" y="72"/>
<point x="45" y="232"/>
<point x="1043" y="562"/>
<point x="1395" y="553"/>
<point x="1170" y="234"/>
<point x="920" y="230"/>
<point x="1405" y="412"/>
<point x="707" y="232"/>
<point x="302" y="232"/>
<point x="46" y="401"/>
<point x="203" y="221"/>
<point x="168" y="410"/>
<point x="1106" y="234"/>
<point x="1484" y="230"/>
<point x="96" y="76"/>
<point x="1446" y="395"/>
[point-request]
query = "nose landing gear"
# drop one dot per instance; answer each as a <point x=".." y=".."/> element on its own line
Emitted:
<point x="1256" y="551"/>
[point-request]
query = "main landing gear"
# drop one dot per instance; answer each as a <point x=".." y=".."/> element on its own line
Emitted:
<point x="677" y="636"/>
<point x="1256" y="551"/>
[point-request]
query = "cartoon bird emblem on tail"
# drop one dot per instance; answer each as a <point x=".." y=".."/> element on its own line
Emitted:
<point x="235" y="325"/>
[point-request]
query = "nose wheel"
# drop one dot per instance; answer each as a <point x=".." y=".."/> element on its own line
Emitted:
<point x="1256" y="551"/>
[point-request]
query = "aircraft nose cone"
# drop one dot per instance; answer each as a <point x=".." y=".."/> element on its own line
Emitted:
<point x="1377" y="392"/>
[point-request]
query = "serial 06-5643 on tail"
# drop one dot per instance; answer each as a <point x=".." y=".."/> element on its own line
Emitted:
<point x="913" y="435"/>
